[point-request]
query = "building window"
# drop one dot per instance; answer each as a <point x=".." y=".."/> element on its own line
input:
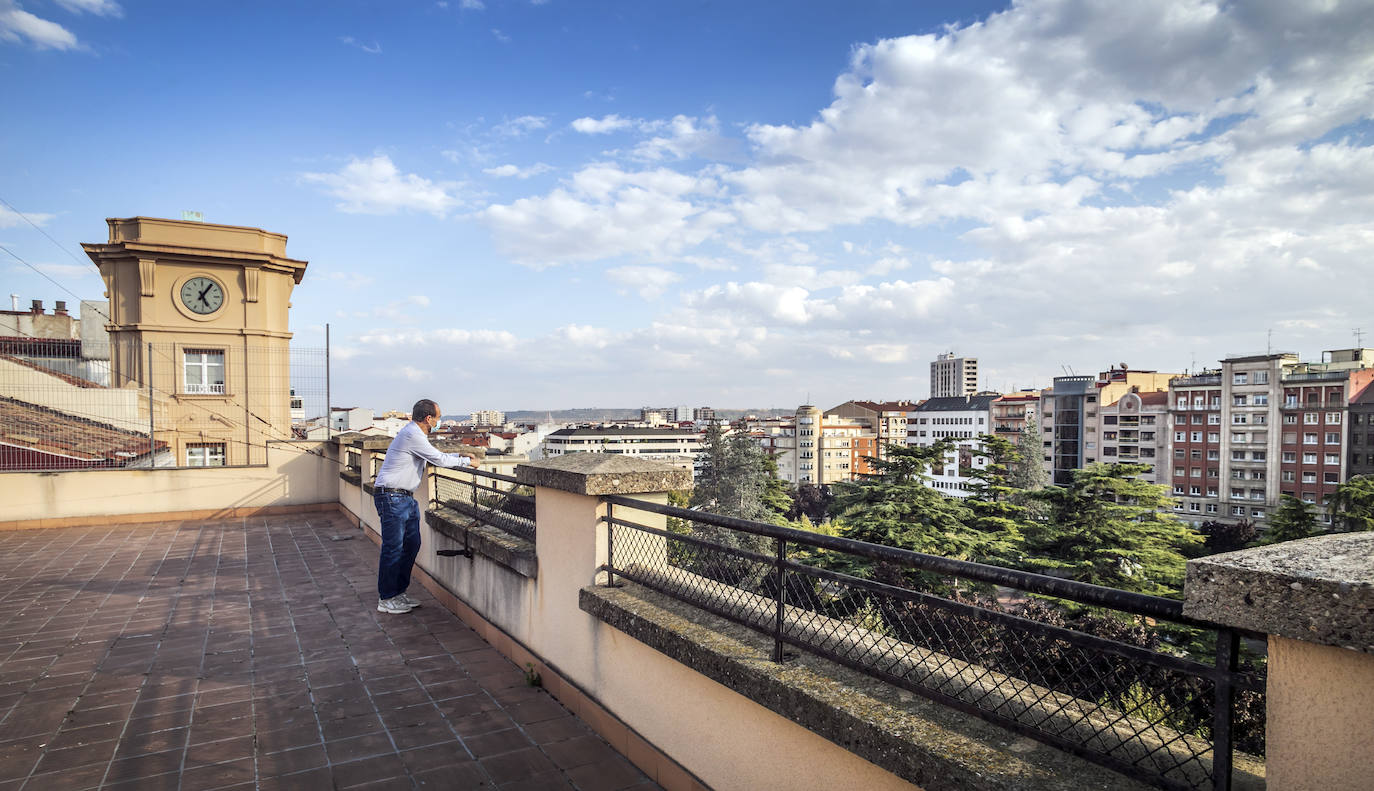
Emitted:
<point x="1311" y="418"/>
<point x="1261" y="377"/>
<point x="1259" y="399"/>
<point x="1289" y="420"/>
<point x="1309" y="439"/>
<point x="1333" y="418"/>
<point x="1333" y="458"/>
<point x="1238" y="400"/>
<point x="1213" y="437"/>
<point x="1309" y="477"/>
<point x="1289" y="456"/>
<point x="1238" y="379"/>
<point x="1288" y="476"/>
<point x="1180" y="436"/>
<point x="1259" y="455"/>
<point x="1195" y="491"/>
<point x="1309" y="458"/>
<point x="204" y="371"/>
<point x="1197" y="420"/>
<point x="205" y="454"/>
<point x="1213" y="454"/>
<point x="1239" y="418"/>
<point x="1211" y="508"/>
<point x="1197" y="436"/>
<point x="1330" y="477"/>
<point x="1333" y="438"/>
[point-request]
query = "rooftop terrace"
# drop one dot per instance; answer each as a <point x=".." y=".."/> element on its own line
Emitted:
<point x="248" y="653"/>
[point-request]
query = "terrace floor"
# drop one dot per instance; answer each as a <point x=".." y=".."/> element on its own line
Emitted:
<point x="249" y="654"/>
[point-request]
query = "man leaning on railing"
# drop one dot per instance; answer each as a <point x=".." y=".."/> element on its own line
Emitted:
<point x="394" y="496"/>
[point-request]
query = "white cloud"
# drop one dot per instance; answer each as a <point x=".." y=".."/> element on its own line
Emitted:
<point x="515" y="171"/>
<point x="604" y="125"/>
<point x="97" y="7"/>
<point x="412" y="374"/>
<point x="519" y="127"/>
<point x="17" y="25"/>
<point x="376" y="186"/>
<point x="604" y="211"/>
<point x="472" y="5"/>
<point x="499" y="36"/>
<point x="372" y="49"/>
<point x="11" y="219"/>
<point x="648" y="281"/>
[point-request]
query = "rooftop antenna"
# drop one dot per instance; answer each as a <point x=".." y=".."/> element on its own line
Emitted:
<point x="1269" y="342"/>
<point x="1359" y="337"/>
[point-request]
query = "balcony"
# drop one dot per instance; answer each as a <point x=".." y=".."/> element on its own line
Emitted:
<point x="267" y="601"/>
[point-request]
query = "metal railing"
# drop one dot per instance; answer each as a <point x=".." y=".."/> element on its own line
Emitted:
<point x="481" y="495"/>
<point x="1094" y="677"/>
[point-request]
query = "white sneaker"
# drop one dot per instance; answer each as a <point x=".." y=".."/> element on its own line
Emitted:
<point x="408" y="599"/>
<point x="395" y="605"/>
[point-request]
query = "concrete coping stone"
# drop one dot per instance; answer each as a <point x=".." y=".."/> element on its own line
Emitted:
<point x="497" y="545"/>
<point x="604" y="473"/>
<point x="1319" y="590"/>
<point x="935" y="747"/>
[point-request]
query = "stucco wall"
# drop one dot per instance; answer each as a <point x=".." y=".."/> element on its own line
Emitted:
<point x="1321" y="715"/>
<point x="292" y="477"/>
<point x="727" y="740"/>
<point x="119" y="407"/>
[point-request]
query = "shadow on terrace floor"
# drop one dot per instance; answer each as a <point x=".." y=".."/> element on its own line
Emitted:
<point x="249" y="654"/>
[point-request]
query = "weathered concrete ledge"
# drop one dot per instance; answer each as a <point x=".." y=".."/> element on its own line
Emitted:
<point x="932" y="746"/>
<point x="1318" y="590"/>
<point x="604" y="473"/>
<point x="492" y="543"/>
<point x="351" y="476"/>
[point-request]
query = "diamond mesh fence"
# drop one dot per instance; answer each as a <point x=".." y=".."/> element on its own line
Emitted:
<point x="1118" y="687"/>
<point x="490" y="498"/>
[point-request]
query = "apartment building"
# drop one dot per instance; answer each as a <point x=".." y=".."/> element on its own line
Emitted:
<point x="1011" y="413"/>
<point x="488" y="417"/>
<point x="952" y="376"/>
<point x="1134" y="429"/>
<point x="1263" y="426"/>
<point x="888" y="419"/>
<point x="821" y="448"/>
<point x="678" y="446"/>
<point x="1070" y="422"/>
<point x="963" y="419"/>
<point x="1360" y="433"/>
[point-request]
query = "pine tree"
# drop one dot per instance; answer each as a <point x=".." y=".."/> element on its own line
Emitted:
<point x="896" y="508"/>
<point x="994" y="501"/>
<point x="1352" y="506"/>
<point x="1107" y="528"/>
<point x="1290" y="521"/>
<point x="1027" y="473"/>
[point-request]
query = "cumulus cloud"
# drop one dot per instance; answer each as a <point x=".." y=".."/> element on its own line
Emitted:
<point x="18" y="25"/>
<point x="376" y="186"/>
<point x="648" y="281"/>
<point x="97" y="7"/>
<point x="521" y="126"/>
<point x="605" y="211"/>
<point x="517" y="172"/>
<point x="601" y="126"/>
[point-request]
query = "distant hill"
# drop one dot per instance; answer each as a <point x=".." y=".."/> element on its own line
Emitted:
<point x="596" y="414"/>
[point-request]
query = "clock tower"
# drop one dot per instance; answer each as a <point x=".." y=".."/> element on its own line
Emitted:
<point x="198" y="316"/>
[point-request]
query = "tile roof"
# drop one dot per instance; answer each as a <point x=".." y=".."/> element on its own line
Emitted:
<point x="29" y="431"/>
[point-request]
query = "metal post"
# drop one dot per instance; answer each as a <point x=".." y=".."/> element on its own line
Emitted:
<point x="247" y="414"/>
<point x="781" y="565"/>
<point x="152" y="444"/>
<point x="328" y="415"/>
<point x="610" y="546"/>
<point x="1223" y="708"/>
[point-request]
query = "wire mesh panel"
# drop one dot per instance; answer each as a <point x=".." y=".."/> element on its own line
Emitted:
<point x="1120" y="685"/>
<point x="491" y="498"/>
<point x="65" y="404"/>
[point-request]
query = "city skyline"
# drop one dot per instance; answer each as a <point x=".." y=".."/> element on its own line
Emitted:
<point x="518" y="205"/>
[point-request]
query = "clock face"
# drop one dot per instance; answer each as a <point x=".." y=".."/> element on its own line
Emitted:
<point x="202" y="295"/>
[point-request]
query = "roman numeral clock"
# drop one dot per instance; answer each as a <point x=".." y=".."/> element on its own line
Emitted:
<point x="201" y="311"/>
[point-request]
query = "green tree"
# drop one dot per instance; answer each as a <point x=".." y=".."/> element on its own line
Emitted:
<point x="734" y="476"/>
<point x="995" y="503"/>
<point x="1352" y="505"/>
<point x="1290" y="521"/>
<point x="1027" y="473"/>
<point x="1107" y="527"/>
<point x="896" y="508"/>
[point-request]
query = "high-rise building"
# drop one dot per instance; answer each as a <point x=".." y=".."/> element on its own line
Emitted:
<point x="952" y="376"/>
<point x="488" y="417"/>
<point x="1070" y="422"/>
<point x="1263" y="426"/>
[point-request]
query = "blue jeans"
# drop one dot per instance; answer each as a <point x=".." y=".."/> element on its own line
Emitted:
<point x="400" y="516"/>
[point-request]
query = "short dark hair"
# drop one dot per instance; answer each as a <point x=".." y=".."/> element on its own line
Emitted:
<point x="423" y="409"/>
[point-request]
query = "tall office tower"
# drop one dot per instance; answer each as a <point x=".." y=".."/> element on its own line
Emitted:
<point x="953" y="377"/>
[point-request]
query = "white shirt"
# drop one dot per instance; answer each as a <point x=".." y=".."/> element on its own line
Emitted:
<point x="405" y="460"/>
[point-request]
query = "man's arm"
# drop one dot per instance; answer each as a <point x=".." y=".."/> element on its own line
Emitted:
<point x="438" y="458"/>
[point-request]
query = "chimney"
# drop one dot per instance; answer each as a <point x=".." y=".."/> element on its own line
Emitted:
<point x="37" y="308"/>
<point x="61" y="309"/>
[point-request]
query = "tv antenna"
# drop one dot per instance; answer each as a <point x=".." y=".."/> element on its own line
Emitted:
<point x="1359" y="338"/>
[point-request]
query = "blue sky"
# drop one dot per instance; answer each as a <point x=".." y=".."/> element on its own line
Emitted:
<point x="539" y="205"/>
